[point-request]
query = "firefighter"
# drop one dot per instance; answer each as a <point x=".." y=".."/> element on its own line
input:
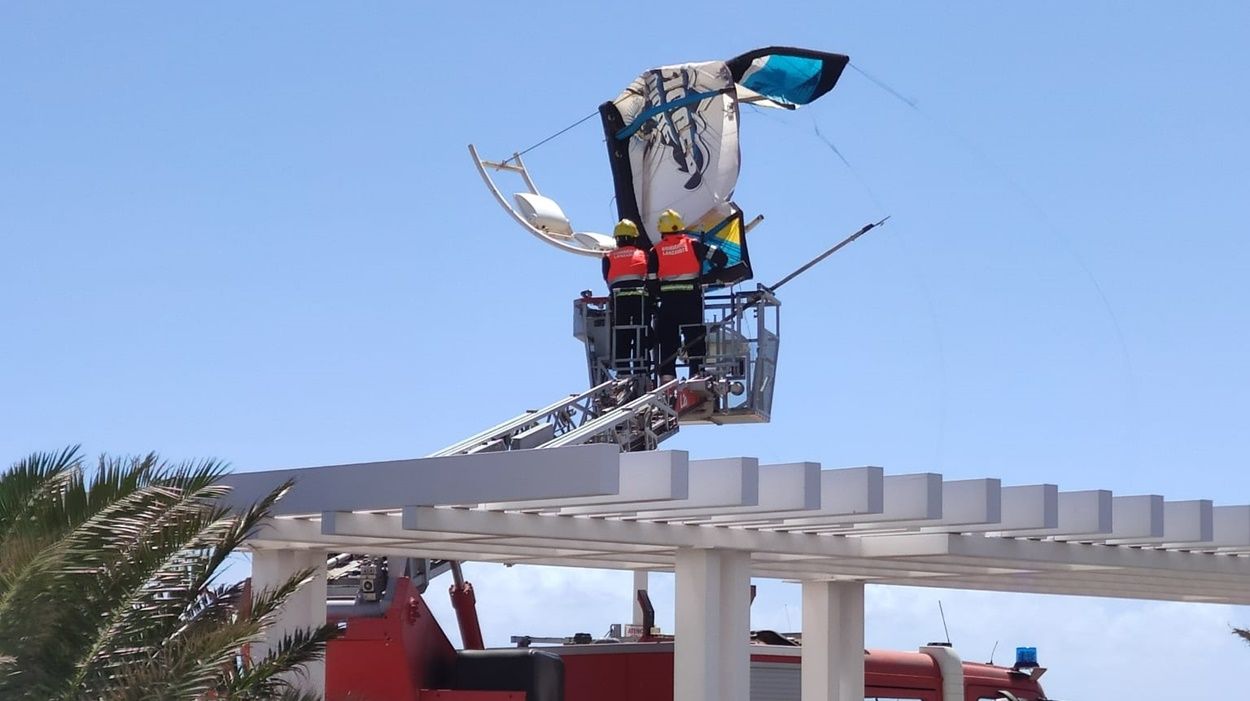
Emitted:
<point x="679" y="262"/>
<point x="627" y="269"/>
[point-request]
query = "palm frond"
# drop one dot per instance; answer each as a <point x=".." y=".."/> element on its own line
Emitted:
<point x="270" y="676"/>
<point x="188" y="668"/>
<point x="108" y="585"/>
<point x="230" y="541"/>
<point x="29" y="492"/>
<point x="1243" y="633"/>
<point x="93" y="547"/>
<point x="44" y="548"/>
<point x="265" y="603"/>
<point x="148" y="581"/>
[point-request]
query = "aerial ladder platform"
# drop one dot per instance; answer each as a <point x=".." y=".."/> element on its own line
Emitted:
<point x="632" y="411"/>
<point x="625" y="405"/>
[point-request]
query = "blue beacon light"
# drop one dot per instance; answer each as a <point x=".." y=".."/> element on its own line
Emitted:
<point x="1026" y="657"/>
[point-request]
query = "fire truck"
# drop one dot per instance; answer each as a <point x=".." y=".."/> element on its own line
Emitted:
<point x="393" y="649"/>
<point x="397" y="651"/>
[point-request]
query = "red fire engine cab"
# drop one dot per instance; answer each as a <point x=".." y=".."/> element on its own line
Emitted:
<point x="398" y="652"/>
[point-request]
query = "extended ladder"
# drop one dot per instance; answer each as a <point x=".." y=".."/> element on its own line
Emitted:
<point x="610" y="412"/>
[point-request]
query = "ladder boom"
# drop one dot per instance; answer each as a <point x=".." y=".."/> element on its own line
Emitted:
<point x="648" y="419"/>
<point x="561" y="411"/>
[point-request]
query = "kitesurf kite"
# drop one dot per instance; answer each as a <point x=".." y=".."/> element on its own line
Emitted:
<point x="672" y="139"/>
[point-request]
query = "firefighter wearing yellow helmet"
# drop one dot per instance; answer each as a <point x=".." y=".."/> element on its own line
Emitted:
<point x="679" y="267"/>
<point x="627" y="269"/>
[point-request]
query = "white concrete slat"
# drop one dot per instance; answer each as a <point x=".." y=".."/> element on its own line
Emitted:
<point x="660" y="475"/>
<point x="336" y="528"/>
<point x="1075" y="588"/>
<point x="421" y="518"/>
<point x="1176" y="579"/>
<point x="1122" y="593"/>
<point x="1184" y="522"/>
<point x="1081" y="513"/>
<point x="591" y="470"/>
<point x="877" y="567"/>
<point x="305" y="536"/>
<point x="465" y="552"/>
<point x="843" y="492"/>
<point x="1015" y="552"/>
<point x="936" y="566"/>
<point x="913" y="497"/>
<point x="1017" y="580"/>
<point x="1230" y="526"/>
<point x="580" y="544"/>
<point x="786" y="487"/>
<point x="1174" y="567"/>
<point x="346" y="523"/>
<point x="1022" y="508"/>
<point x="722" y="483"/>
<point x="1137" y="516"/>
<point x="1109" y="581"/>
<point x="304" y="530"/>
<point x="1118" y="578"/>
<point x="973" y="503"/>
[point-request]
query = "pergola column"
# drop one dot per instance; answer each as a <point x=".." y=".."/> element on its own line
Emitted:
<point x="641" y="583"/>
<point x="712" y="659"/>
<point x="833" y="641"/>
<point x="306" y="609"/>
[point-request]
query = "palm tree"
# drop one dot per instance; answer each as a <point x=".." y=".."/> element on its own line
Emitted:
<point x="110" y="585"/>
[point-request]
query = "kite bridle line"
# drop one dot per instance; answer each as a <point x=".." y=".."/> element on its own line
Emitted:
<point x="549" y="138"/>
<point x="1042" y="217"/>
<point x="770" y="289"/>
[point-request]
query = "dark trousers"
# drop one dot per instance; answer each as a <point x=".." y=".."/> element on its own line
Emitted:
<point x="681" y="316"/>
<point x="631" y="323"/>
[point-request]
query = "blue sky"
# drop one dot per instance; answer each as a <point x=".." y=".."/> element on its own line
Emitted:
<point x="253" y="232"/>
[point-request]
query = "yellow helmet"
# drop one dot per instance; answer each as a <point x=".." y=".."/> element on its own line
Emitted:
<point x="625" y="229"/>
<point x="671" y="221"/>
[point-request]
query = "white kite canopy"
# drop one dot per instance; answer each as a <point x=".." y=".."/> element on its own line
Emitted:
<point x="672" y="141"/>
<point x="681" y="127"/>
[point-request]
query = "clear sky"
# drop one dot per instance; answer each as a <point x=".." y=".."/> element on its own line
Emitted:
<point x="253" y="231"/>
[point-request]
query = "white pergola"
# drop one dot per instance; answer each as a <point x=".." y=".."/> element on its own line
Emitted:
<point x="717" y="523"/>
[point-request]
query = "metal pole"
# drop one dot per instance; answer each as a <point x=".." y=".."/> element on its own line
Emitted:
<point x="840" y="245"/>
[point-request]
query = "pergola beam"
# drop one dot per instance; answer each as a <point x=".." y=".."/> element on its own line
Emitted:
<point x="588" y="506"/>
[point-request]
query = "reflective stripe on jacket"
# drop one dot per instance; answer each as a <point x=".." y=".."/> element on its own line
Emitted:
<point x="627" y="263"/>
<point x="677" y="258"/>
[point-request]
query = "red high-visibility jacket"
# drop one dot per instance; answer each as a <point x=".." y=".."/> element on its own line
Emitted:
<point x="677" y="259"/>
<point x="625" y="264"/>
